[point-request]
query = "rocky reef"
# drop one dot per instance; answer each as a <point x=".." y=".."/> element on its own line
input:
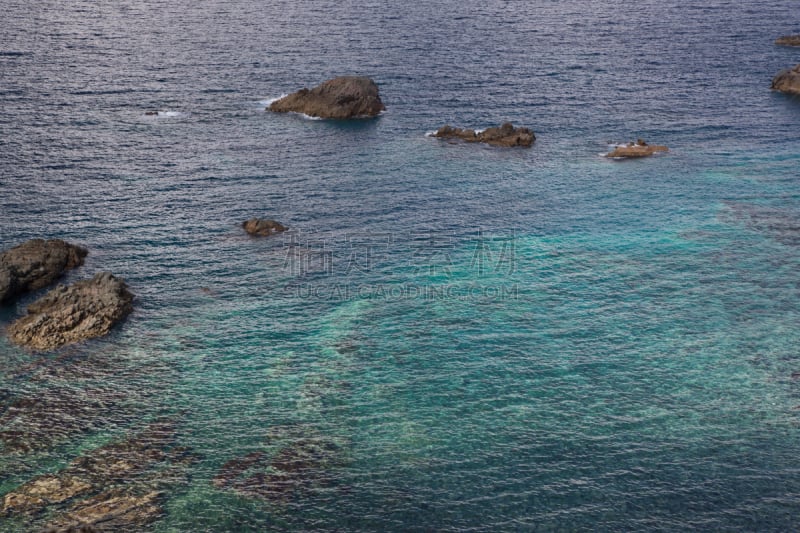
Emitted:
<point x="339" y="98"/>
<point x="506" y="135"/>
<point x="65" y="315"/>
<point x="260" y="227"/>
<point x="296" y="460"/>
<point x="636" y="149"/>
<point x="118" y="487"/>
<point x="36" y="264"/>
<point x="788" y="40"/>
<point x="788" y="81"/>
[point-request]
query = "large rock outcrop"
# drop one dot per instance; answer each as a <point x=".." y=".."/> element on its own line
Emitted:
<point x="340" y="98"/>
<point x="260" y="227"/>
<point x="788" y="81"/>
<point x="36" y="264"/>
<point x="506" y="135"/>
<point x="65" y="315"/>
<point x="637" y="149"/>
<point x="788" y="40"/>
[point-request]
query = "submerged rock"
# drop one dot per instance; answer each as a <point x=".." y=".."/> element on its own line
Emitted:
<point x="44" y="418"/>
<point x="787" y="81"/>
<point x="65" y="315"/>
<point x="637" y="149"/>
<point x="340" y="98"/>
<point x="117" y="487"/>
<point x="788" y="40"/>
<point x="263" y="227"/>
<point x="506" y="135"/>
<point x="35" y="264"/>
<point x="299" y="463"/>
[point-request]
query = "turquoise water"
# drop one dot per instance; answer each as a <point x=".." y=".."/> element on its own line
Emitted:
<point x="451" y="337"/>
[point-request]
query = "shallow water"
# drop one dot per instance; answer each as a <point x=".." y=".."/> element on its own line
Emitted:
<point x="459" y="337"/>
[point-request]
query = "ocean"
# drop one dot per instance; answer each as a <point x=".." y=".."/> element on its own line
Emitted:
<point x="451" y="337"/>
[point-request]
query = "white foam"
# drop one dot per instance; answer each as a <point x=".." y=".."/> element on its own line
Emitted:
<point x="430" y="133"/>
<point x="269" y="101"/>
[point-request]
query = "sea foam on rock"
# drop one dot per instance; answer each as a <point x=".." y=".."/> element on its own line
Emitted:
<point x="339" y="98"/>
<point x="637" y="149"/>
<point x="84" y="310"/>
<point x="260" y="227"/>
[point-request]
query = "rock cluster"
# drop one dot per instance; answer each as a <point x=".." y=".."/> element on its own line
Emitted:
<point x="506" y="135"/>
<point x="260" y="227"/>
<point x="788" y="81"/>
<point x="65" y="315"/>
<point x="340" y="98"/>
<point x="36" y="264"/>
<point x="637" y="149"/>
<point x="788" y="40"/>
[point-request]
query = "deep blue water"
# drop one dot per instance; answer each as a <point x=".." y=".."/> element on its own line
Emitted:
<point x="487" y="339"/>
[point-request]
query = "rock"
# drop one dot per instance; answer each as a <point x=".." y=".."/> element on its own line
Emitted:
<point x="151" y="113"/>
<point x="263" y="227"/>
<point x="787" y="81"/>
<point x="637" y="149"/>
<point x="788" y="40"/>
<point x="340" y="98"/>
<point x="113" y="510"/>
<point x="65" y="315"/>
<point x="42" y="491"/>
<point x="36" y="264"/>
<point x="39" y="420"/>
<point x="506" y="135"/>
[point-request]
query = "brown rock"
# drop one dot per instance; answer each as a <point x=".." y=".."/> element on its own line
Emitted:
<point x="506" y="135"/>
<point x="35" y="264"/>
<point x="637" y="149"/>
<point x="262" y="227"/>
<point x="788" y="40"/>
<point x="340" y="98"/>
<point x="787" y="81"/>
<point x="42" y="491"/>
<point x="65" y="315"/>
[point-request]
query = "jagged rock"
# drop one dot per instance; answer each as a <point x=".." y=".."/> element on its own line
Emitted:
<point x="36" y="264"/>
<point x="506" y="135"/>
<point x="340" y="98"/>
<point x="788" y="40"/>
<point x="787" y="81"/>
<point x="262" y="227"/>
<point x="65" y="315"/>
<point x="637" y="149"/>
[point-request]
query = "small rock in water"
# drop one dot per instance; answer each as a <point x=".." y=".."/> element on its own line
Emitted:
<point x="340" y="98"/>
<point x="263" y="227"/>
<point x="506" y="135"/>
<point x="787" y="81"/>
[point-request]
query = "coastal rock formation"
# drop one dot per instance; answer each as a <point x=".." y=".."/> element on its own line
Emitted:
<point x="35" y="264"/>
<point x="637" y="149"/>
<point x="84" y="310"/>
<point x="263" y="227"/>
<point x="506" y="135"/>
<point x="787" y="81"/>
<point x="788" y="40"/>
<point x="340" y="98"/>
